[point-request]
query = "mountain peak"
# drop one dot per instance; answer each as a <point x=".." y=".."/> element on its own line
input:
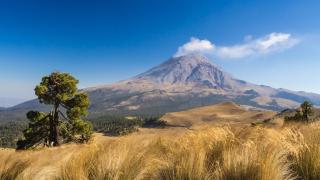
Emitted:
<point x="191" y="58"/>
<point x="191" y="69"/>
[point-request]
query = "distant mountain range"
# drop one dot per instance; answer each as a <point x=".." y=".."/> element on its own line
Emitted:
<point x="7" y="101"/>
<point x="177" y="84"/>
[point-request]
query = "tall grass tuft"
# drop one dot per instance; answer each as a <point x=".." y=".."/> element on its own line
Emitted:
<point x="306" y="161"/>
<point x="187" y="158"/>
<point x="12" y="168"/>
<point x="116" y="160"/>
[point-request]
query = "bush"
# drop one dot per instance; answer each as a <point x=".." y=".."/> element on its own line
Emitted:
<point x="152" y="122"/>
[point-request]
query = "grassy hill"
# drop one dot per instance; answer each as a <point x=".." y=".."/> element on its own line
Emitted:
<point x="223" y="113"/>
<point x="219" y="143"/>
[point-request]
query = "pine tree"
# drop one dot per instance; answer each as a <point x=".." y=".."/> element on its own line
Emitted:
<point x="307" y="110"/>
<point x="63" y="123"/>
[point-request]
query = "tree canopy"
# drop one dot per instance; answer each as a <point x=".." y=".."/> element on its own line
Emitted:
<point x="307" y="110"/>
<point x="63" y="123"/>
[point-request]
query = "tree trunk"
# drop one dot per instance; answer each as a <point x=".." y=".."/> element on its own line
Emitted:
<point x="54" y="126"/>
<point x="51" y="133"/>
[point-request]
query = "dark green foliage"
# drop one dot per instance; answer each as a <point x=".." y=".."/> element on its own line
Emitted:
<point x="303" y="114"/>
<point x="10" y="132"/>
<point x="153" y="122"/>
<point x="63" y="123"/>
<point x="307" y="111"/>
<point x="37" y="131"/>
<point x="116" y="125"/>
<point x="296" y="117"/>
<point x="120" y="125"/>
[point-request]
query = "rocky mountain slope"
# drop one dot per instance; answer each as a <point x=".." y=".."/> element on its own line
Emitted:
<point x="177" y="84"/>
<point x="185" y="82"/>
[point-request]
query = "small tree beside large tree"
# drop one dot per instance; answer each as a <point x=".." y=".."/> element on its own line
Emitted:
<point x="63" y="123"/>
<point x="307" y="111"/>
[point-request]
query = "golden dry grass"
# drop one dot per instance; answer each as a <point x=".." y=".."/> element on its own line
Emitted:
<point x="226" y="152"/>
<point x="223" y="113"/>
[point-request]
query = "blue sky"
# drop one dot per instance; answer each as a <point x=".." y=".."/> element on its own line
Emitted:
<point x="105" y="41"/>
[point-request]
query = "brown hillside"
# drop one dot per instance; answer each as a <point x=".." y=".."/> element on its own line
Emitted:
<point x="223" y="113"/>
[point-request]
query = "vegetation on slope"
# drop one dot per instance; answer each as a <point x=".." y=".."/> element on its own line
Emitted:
<point x="10" y="132"/>
<point x="120" y="125"/>
<point x="116" y="125"/>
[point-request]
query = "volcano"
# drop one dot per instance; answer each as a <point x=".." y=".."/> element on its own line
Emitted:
<point x="180" y="83"/>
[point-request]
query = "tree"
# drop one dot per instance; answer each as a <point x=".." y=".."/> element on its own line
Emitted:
<point x="63" y="122"/>
<point x="307" y="110"/>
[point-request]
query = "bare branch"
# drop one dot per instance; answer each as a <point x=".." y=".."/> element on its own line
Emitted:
<point x="64" y="116"/>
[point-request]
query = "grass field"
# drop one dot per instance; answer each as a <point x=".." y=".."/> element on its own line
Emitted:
<point x="227" y="151"/>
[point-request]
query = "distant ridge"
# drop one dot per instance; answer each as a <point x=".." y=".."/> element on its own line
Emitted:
<point x="181" y="83"/>
<point x="8" y="101"/>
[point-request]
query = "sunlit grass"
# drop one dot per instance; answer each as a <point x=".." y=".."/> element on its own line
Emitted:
<point x="222" y="153"/>
<point x="12" y="168"/>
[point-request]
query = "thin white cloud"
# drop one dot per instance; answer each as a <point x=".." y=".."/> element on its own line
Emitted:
<point x="270" y="43"/>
